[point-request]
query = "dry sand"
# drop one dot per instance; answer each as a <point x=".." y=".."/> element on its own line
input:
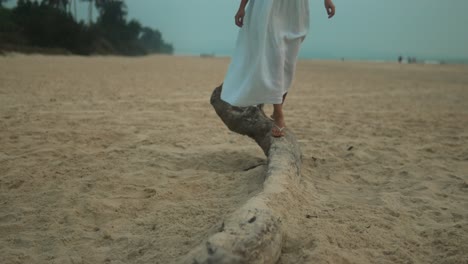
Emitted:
<point x="123" y="160"/>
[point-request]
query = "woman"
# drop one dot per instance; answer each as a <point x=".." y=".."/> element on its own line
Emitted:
<point x="264" y="60"/>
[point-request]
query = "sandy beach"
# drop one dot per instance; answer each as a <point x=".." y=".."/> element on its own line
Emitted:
<point x="123" y="160"/>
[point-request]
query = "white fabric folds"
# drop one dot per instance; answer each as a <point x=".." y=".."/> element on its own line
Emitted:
<point x="264" y="60"/>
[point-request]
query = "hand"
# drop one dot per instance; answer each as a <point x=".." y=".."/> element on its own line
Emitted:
<point x="240" y="17"/>
<point x="330" y="7"/>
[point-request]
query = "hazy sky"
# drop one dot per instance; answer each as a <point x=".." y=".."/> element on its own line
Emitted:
<point x="361" y="28"/>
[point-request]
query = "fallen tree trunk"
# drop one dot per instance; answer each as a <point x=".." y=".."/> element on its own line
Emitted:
<point x="253" y="233"/>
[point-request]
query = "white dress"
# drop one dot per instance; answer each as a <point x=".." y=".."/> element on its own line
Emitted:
<point x="264" y="60"/>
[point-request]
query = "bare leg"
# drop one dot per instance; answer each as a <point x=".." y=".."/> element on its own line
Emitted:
<point x="284" y="98"/>
<point x="278" y="118"/>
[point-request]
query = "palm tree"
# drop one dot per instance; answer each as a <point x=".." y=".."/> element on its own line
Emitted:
<point x="100" y="5"/>
<point x="111" y="12"/>
<point x="63" y="5"/>
<point x="60" y="4"/>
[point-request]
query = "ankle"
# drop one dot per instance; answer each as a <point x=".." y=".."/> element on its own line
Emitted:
<point x="278" y="114"/>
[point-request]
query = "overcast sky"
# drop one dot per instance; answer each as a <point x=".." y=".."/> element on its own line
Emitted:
<point x="361" y="29"/>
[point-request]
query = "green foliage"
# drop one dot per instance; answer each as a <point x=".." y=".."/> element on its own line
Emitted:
<point x="6" y="21"/>
<point x="152" y="41"/>
<point x="48" y="25"/>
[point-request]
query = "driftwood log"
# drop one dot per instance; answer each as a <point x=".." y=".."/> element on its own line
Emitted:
<point x="253" y="233"/>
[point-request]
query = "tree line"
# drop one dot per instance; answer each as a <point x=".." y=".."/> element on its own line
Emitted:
<point x="53" y="25"/>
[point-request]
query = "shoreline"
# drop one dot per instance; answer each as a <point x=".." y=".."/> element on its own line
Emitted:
<point x="58" y="53"/>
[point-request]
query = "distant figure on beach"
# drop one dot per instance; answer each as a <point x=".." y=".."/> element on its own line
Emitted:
<point x="267" y="47"/>
<point x="400" y="59"/>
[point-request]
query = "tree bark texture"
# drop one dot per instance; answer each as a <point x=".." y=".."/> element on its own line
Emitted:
<point x="253" y="233"/>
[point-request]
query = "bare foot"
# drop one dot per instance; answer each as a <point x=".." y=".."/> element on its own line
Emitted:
<point x="279" y="126"/>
